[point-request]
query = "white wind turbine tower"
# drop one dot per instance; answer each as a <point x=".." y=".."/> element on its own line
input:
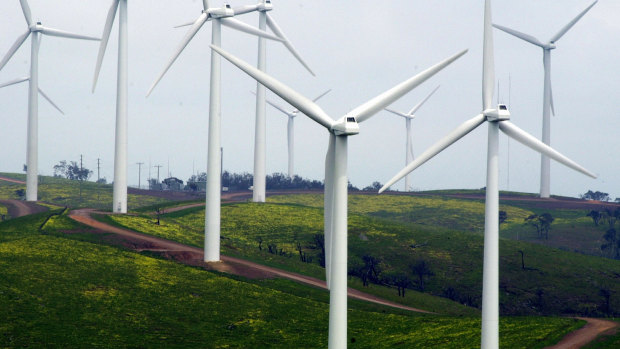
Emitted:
<point x="497" y="119"/>
<point x="545" y="166"/>
<point x="260" y="146"/>
<point x="409" y="145"/>
<point x="217" y="16"/>
<point x="119" y="193"/>
<point x="32" y="151"/>
<point x="336" y="176"/>
<point x="291" y="129"/>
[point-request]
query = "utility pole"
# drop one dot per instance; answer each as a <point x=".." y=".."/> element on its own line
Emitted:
<point x="158" y="167"/>
<point x="80" y="162"/>
<point x="98" y="165"/>
<point x="139" y="173"/>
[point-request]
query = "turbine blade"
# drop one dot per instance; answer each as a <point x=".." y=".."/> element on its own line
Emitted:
<point x="277" y="106"/>
<point x="276" y="29"/>
<point x="184" y="25"/>
<point x="246" y="28"/>
<point x="205" y="5"/>
<point x="244" y="9"/>
<point x="415" y="109"/>
<point x="303" y="104"/>
<point x="530" y="141"/>
<point x="188" y="37"/>
<point x="13" y="82"/>
<point x="370" y="108"/>
<point x="518" y="34"/>
<point x="16" y="45"/>
<point x="321" y="95"/>
<point x="436" y="148"/>
<point x="570" y="24"/>
<point x="328" y="197"/>
<point x="65" y="34"/>
<point x="107" y="29"/>
<point x="488" y="65"/>
<point x="52" y="103"/>
<point x="396" y="112"/>
<point x="26" y="11"/>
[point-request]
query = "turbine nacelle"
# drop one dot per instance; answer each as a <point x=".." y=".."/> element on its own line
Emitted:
<point x="499" y="114"/>
<point x="347" y="126"/>
<point x="265" y="6"/>
<point x="221" y="12"/>
<point x="550" y="46"/>
<point x="38" y="27"/>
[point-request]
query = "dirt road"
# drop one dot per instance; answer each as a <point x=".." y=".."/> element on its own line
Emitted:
<point x="586" y="334"/>
<point x="6" y="179"/>
<point x="194" y="256"/>
<point x="18" y="208"/>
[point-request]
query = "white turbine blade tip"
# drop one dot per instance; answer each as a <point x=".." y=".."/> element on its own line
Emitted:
<point x="530" y="141"/>
<point x="370" y="108"/>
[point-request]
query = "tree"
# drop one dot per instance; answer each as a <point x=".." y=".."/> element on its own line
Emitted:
<point x="605" y="292"/>
<point x="595" y="215"/>
<point x="503" y="216"/>
<point x="611" y="244"/>
<point x="375" y="186"/>
<point x="422" y="270"/>
<point x="319" y="243"/>
<point x="610" y="214"/>
<point x="71" y="171"/>
<point x="400" y="280"/>
<point x="597" y="196"/>
<point x="102" y="180"/>
<point x="542" y="223"/>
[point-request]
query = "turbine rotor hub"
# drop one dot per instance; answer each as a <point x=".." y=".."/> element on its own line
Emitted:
<point x="498" y="114"/>
<point x="265" y="6"/>
<point x="347" y="126"/>
<point x="221" y="12"/>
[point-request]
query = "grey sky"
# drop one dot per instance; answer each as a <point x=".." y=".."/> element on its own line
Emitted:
<point x="358" y="49"/>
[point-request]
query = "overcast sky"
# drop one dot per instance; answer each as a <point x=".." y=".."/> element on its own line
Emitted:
<point x="358" y="49"/>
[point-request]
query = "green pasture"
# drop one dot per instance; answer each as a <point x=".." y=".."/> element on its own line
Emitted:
<point x="551" y="281"/>
<point x="64" y="192"/>
<point x="57" y="290"/>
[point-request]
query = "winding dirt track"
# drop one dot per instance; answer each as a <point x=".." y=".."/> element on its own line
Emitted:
<point x="194" y="256"/>
<point x="586" y="334"/>
<point x="18" y="208"/>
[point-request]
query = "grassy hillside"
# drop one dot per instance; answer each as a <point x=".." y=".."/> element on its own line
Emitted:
<point x="551" y="281"/>
<point x="64" y="192"/>
<point x="58" y="291"/>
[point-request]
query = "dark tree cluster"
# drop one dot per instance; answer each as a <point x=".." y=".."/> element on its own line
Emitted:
<point x="71" y="171"/>
<point x="542" y="223"/>
<point x="597" y="196"/>
<point x="369" y="270"/>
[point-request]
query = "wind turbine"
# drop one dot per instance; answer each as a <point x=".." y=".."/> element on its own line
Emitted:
<point x="545" y="166"/>
<point x="336" y="175"/>
<point x="409" y="146"/>
<point x="32" y="150"/>
<point x="291" y="128"/>
<point x="217" y="16"/>
<point x="497" y="119"/>
<point x="259" y="181"/>
<point x="119" y="193"/>
<point x="20" y="80"/>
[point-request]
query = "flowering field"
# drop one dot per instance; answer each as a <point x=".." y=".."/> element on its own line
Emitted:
<point x="56" y="291"/>
<point x="545" y="281"/>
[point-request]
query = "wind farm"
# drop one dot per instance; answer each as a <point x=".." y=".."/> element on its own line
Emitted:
<point x="172" y="211"/>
